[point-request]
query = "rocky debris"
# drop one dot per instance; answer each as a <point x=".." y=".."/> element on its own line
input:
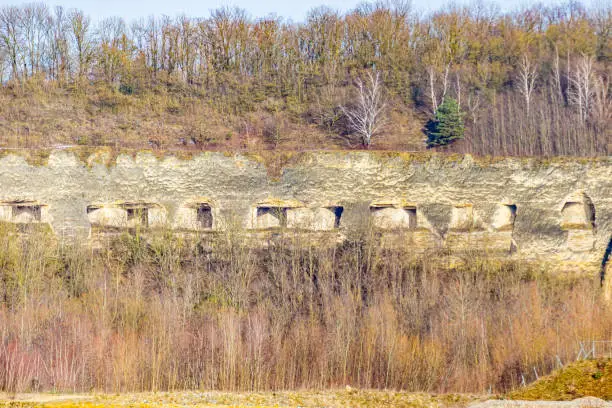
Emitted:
<point x="588" y="402"/>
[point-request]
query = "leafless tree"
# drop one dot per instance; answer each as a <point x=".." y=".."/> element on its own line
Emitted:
<point x="527" y="76"/>
<point x="473" y="103"/>
<point x="458" y="88"/>
<point x="59" y="47"/>
<point x="11" y="37"/>
<point x="432" y="86"/>
<point x="602" y="100"/>
<point x="80" y="32"/>
<point x="557" y="74"/>
<point x="36" y="24"/>
<point x="582" y="87"/>
<point x="367" y="116"/>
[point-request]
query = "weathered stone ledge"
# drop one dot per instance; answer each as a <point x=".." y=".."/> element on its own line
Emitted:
<point x="531" y="208"/>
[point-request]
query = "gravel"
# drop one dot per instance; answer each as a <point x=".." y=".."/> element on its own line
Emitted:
<point x="588" y="402"/>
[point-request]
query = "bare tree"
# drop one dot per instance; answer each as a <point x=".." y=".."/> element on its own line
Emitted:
<point x="602" y="100"/>
<point x="11" y="37"/>
<point x="367" y="116"/>
<point x="527" y="76"/>
<point x="458" y="88"/>
<point x="36" y="24"/>
<point x="557" y="75"/>
<point x="80" y="32"/>
<point x="59" y="46"/>
<point x="432" y="86"/>
<point x="473" y="103"/>
<point x="582" y="87"/>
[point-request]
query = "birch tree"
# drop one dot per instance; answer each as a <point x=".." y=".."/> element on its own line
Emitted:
<point x="526" y="80"/>
<point x="367" y="116"/>
<point x="582" y="87"/>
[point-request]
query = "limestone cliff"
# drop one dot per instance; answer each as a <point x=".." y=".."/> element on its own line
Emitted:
<point x="552" y="210"/>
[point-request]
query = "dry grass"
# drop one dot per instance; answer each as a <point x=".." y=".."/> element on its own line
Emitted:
<point x="101" y="116"/>
<point x="331" y="399"/>
<point x="590" y="378"/>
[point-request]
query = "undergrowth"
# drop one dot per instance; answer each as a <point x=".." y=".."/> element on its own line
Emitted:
<point x="588" y="378"/>
<point x="167" y="312"/>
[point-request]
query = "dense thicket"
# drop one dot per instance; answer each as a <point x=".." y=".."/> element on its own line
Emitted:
<point x="532" y="81"/>
<point x="163" y="313"/>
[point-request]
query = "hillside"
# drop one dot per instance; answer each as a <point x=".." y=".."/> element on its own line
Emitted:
<point x="372" y="208"/>
<point x="529" y="81"/>
<point x="101" y="116"/>
<point x="588" y="378"/>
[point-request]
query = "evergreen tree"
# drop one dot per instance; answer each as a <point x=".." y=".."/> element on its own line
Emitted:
<point x="447" y="126"/>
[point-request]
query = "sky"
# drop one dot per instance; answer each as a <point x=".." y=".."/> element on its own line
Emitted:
<point x="288" y="9"/>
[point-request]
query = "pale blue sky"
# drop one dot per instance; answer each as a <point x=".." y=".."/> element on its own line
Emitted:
<point x="294" y="9"/>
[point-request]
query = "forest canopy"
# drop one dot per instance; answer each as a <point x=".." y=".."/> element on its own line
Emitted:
<point x="530" y="81"/>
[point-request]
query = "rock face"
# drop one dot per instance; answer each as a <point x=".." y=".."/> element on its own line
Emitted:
<point x="555" y="210"/>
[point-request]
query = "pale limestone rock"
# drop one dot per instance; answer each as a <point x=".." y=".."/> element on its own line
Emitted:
<point x="607" y="280"/>
<point x="575" y="215"/>
<point x="186" y="218"/>
<point x="108" y="217"/>
<point x="199" y="214"/>
<point x="577" y="212"/>
<point x="6" y="213"/>
<point x="312" y="219"/>
<point x="157" y="217"/>
<point x="393" y="218"/>
<point x="326" y="219"/>
<point x="300" y="218"/>
<point x="462" y="217"/>
<point x="547" y="226"/>
<point x="580" y="240"/>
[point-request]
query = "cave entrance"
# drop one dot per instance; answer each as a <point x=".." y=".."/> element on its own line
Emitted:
<point x="26" y="213"/>
<point x="338" y="211"/>
<point x="138" y="217"/>
<point x="205" y="216"/>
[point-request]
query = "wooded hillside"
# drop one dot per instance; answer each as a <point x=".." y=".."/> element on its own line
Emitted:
<point x="533" y="81"/>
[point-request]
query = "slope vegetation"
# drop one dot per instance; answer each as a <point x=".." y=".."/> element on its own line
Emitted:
<point x="589" y="378"/>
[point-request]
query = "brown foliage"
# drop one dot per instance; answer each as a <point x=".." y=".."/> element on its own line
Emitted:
<point x="164" y="313"/>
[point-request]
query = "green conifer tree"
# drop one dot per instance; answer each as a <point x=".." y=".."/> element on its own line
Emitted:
<point x="447" y="126"/>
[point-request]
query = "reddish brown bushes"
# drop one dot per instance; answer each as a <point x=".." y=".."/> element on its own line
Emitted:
<point x="165" y="315"/>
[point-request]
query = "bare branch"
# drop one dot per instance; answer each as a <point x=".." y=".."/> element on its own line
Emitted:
<point x="367" y="116"/>
<point x="527" y="76"/>
<point x="582" y="87"/>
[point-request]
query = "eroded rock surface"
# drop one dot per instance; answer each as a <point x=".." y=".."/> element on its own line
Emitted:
<point x="555" y="210"/>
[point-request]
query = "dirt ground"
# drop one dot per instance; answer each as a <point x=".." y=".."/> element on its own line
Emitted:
<point x="343" y="398"/>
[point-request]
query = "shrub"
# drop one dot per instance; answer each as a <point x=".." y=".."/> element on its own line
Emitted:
<point x="159" y="312"/>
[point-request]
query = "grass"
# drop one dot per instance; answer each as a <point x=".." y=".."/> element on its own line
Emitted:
<point x="344" y="398"/>
<point x="589" y="378"/>
<point x="98" y="115"/>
